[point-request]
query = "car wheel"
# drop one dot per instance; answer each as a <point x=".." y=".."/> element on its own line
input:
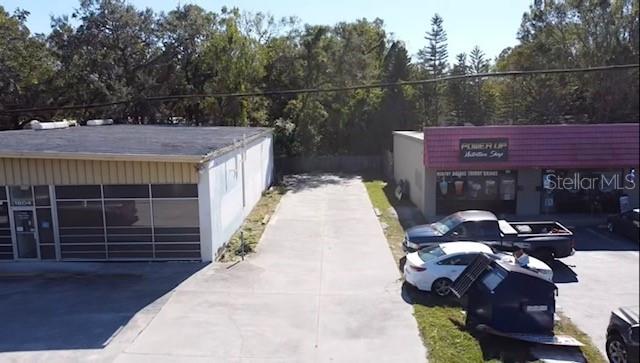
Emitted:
<point x="610" y="227"/>
<point x="616" y="349"/>
<point x="441" y="287"/>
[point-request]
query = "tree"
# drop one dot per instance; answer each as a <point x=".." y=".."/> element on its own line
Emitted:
<point x="458" y="91"/>
<point x="434" y="60"/>
<point x="26" y="67"/>
<point x="112" y="55"/>
<point x="397" y="108"/>
<point x="184" y="31"/>
<point x="109" y="50"/>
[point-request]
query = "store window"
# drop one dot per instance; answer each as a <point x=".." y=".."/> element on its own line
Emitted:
<point x="41" y="194"/>
<point x="581" y="191"/>
<point x="78" y="192"/>
<point x="21" y="196"/>
<point x="129" y="221"/>
<point x="493" y="190"/>
<point x="174" y="191"/>
<point x="81" y="228"/>
<point x="6" y="245"/>
<point x="126" y="191"/>
<point x="176" y="227"/>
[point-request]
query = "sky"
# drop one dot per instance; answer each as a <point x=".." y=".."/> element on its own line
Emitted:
<point x="490" y="24"/>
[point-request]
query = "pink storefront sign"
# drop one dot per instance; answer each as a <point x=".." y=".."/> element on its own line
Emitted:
<point x="535" y="146"/>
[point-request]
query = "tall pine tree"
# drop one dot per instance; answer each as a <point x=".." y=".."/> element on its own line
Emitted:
<point x="434" y="59"/>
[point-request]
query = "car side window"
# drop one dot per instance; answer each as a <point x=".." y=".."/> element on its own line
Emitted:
<point x="459" y="260"/>
<point x="467" y="259"/>
<point x="449" y="260"/>
<point x="485" y="230"/>
<point x="462" y="230"/>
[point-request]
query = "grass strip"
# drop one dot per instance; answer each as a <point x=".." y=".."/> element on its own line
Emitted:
<point x="253" y="226"/>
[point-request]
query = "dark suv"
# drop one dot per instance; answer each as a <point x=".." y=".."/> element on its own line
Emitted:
<point x="622" y="336"/>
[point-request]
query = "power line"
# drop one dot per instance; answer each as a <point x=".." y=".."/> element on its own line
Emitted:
<point x="327" y="89"/>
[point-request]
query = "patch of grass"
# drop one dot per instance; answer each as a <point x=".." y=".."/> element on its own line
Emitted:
<point x="441" y="326"/>
<point x="381" y="197"/>
<point x="253" y="226"/>
<point x="440" y="332"/>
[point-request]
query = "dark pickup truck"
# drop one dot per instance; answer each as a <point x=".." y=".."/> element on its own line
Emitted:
<point x="544" y="240"/>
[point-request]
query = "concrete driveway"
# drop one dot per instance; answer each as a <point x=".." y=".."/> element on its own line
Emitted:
<point x="600" y="277"/>
<point x="322" y="287"/>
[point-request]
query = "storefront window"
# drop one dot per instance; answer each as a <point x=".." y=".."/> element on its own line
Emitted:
<point x="174" y="191"/>
<point x="175" y="213"/>
<point x="78" y="192"/>
<point x="126" y="191"/>
<point x="21" y="196"/>
<point x="138" y="224"/>
<point x="581" y="191"/>
<point x="41" y="193"/>
<point x="493" y="190"/>
<point x="85" y="214"/>
<point x="127" y="213"/>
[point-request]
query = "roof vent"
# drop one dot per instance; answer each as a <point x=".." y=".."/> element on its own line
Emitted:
<point x="100" y="122"/>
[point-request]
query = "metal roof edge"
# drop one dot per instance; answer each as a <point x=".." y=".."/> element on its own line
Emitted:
<point x="101" y="156"/>
<point x="229" y="148"/>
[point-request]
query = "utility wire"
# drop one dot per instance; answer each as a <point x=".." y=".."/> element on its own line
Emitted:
<point x="327" y="89"/>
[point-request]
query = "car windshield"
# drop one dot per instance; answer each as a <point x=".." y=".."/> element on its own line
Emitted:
<point x="430" y="253"/>
<point x="446" y="224"/>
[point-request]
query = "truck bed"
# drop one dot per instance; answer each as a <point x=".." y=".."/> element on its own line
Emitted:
<point x="539" y="228"/>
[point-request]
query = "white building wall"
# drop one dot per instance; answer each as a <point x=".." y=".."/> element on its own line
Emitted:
<point x="230" y="185"/>
<point x="408" y="164"/>
<point x="258" y="171"/>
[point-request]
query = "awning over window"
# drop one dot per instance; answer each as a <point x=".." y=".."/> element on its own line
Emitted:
<point x="536" y="146"/>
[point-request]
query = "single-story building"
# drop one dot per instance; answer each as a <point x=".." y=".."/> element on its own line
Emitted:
<point x="128" y="192"/>
<point x="520" y="170"/>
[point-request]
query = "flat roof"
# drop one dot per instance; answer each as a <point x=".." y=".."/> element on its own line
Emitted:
<point x="126" y="142"/>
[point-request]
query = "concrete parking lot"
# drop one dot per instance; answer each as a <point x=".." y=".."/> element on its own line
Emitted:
<point x="322" y="287"/>
<point x="600" y="277"/>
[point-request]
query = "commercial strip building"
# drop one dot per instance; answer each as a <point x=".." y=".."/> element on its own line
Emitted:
<point x="523" y="170"/>
<point x="125" y="192"/>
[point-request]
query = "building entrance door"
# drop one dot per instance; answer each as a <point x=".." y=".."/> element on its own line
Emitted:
<point x="26" y="233"/>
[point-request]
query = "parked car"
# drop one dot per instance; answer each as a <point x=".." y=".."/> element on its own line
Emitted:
<point x="626" y="224"/>
<point x="545" y="240"/>
<point x="434" y="268"/>
<point x="622" y="336"/>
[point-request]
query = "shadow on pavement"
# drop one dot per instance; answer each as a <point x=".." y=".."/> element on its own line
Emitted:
<point x="599" y="239"/>
<point x="563" y="273"/>
<point x="411" y="295"/>
<point x="301" y="182"/>
<point x="80" y="308"/>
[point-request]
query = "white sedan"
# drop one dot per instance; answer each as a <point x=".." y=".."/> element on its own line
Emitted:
<point x="435" y="268"/>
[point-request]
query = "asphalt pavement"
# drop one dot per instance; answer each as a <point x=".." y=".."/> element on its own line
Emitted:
<point x="600" y="277"/>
